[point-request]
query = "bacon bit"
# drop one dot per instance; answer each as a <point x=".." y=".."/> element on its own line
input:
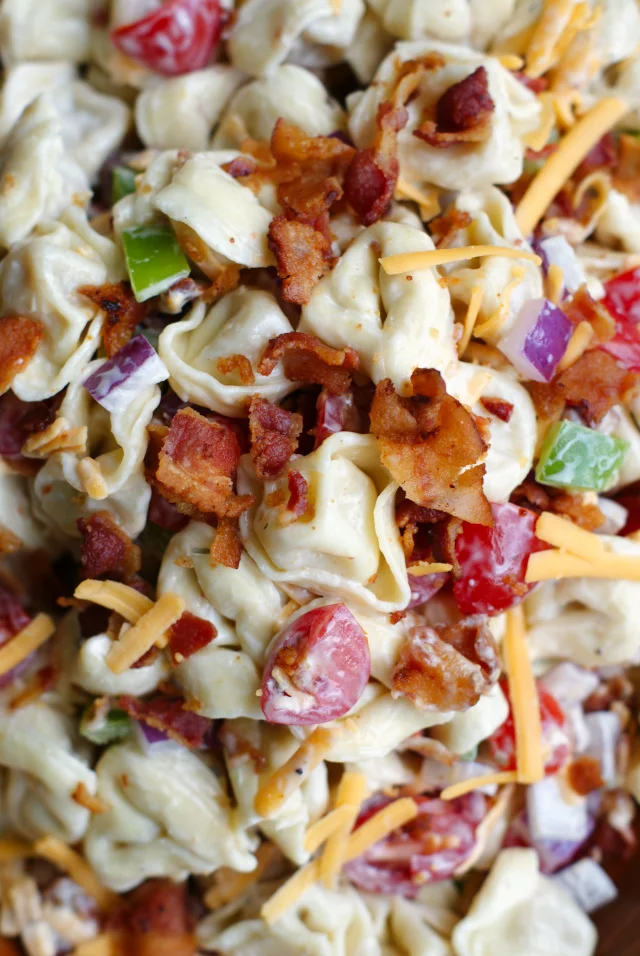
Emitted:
<point x="94" y="804"/>
<point x="463" y="114"/>
<point x="106" y="549"/>
<point x="226" y="547"/>
<point x="298" y="503"/>
<point x="537" y="84"/>
<point x="307" y="359"/>
<point x="594" y="384"/>
<point x="19" y="338"/>
<point x="448" y="667"/>
<point x="188" y="636"/>
<point x="170" y="715"/>
<point x="197" y="463"/>
<point x="532" y="495"/>
<point x="186" y="290"/>
<point x="584" y="775"/>
<point x="496" y="406"/>
<point x="432" y="446"/>
<point x="237" y="363"/>
<point x="226" y="280"/>
<point x="9" y="542"/>
<point x="290" y="144"/>
<point x="122" y="313"/>
<point x="41" y="682"/>
<point x="274" y="437"/>
<point x="303" y="256"/>
<point x="427" y="535"/>
<point x="445" y="229"/>
<point x="155" y="920"/>
<point x="582" y="307"/>
<point x="240" y="166"/>
<point x="165" y="514"/>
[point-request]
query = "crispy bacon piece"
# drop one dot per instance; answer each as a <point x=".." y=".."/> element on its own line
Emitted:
<point x="226" y="547"/>
<point x="532" y="495"/>
<point x="584" y="775"/>
<point x="290" y="144"/>
<point x="274" y="437"/>
<point x="298" y="503"/>
<point x="496" y="406"/>
<point x="237" y="363"/>
<point x="307" y="359"/>
<point x="463" y="114"/>
<point x="188" y="635"/>
<point x="122" y="313"/>
<point x="427" y="534"/>
<point x="432" y="446"/>
<point x="197" y="463"/>
<point x="303" y="256"/>
<point x="594" y="384"/>
<point x="106" y="549"/>
<point x="447" y="667"/>
<point x="19" y="339"/>
<point x="445" y="229"/>
<point x="170" y="715"/>
<point x="582" y="307"/>
<point x="155" y="921"/>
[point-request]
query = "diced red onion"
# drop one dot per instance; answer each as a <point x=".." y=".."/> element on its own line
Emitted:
<point x="569" y="683"/>
<point x="121" y="378"/>
<point x="468" y="769"/>
<point x="578" y="727"/>
<point x="604" y="733"/>
<point x="616" y="516"/>
<point x="551" y="817"/>
<point x="556" y="251"/>
<point x="538" y="340"/>
<point x="590" y="886"/>
<point x="150" y="739"/>
<point x="553" y="854"/>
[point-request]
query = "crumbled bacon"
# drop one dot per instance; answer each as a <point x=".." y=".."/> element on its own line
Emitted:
<point x="106" y="549"/>
<point x="188" y="635"/>
<point x="165" y="514"/>
<point x="226" y="547"/>
<point x="583" y="513"/>
<point x="582" y="307"/>
<point x="170" y="715"/>
<point x="274" y="437"/>
<point x="307" y="359"/>
<point x="447" y="667"/>
<point x="237" y="363"/>
<point x="240" y="167"/>
<point x="432" y="446"/>
<point x="196" y="465"/>
<point x="584" y="775"/>
<point x="498" y="407"/>
<point x="19" y="339"/>
<point x="594" y="384"/>
<point x="303" y="256"/>
<point x="446" y="229"/>
<point x="122" y="313"/>
<point x="346" y="412"/>
<point x="155" y="920"/>
<point x="462" y="114"/>
<point x="298" y="502"/>
<point x="427" y="534"/>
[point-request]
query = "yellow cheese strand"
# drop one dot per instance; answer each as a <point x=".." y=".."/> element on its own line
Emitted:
<point x="410" y="261"/>
<point x="25" y="642"/>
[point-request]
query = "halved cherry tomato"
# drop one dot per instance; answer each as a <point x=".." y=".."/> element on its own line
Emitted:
<point x="424" y="586"/>
<point x="317" y="668"/>
<point x="179" y="37"/>
<point x="13" y="618"/>
<point x="430" y="848"/>
<point x="622" y="298"/>
<point x="556" y="737"/>
<point x="493" y="561"/>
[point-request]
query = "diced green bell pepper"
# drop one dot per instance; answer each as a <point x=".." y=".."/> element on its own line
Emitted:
<point x="154" y="260"/>
<point x="573" y="456"/>
<point x="103" y="729"/>
<point x="123" y="183"/>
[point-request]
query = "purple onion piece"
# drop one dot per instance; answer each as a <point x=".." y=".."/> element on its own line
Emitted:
<point x="538" y="340"/>
<point x="553" y="854"/>
<point x="121" y="378"/>
<point x="588" y="883"/>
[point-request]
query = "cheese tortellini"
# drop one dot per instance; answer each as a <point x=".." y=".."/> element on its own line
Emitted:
<point x="466" y="730"/>
<point x="519" y="911"/>
<point x="45" y="30"/>
<point x="396" y="325"/>
<point x="348" y="544"/>
<point x="498" y="159"/>
<point x="45" y="763"/>
<point x="589" y="621"/>
<point x="241" y="323"/>
<point x="93" y="674"/>
<point x="168" y="816"/>
<point x="93" y="125"/>
<point x="454" y="21"/>
<point x="23" y="83"/>
<point x="17" y="520"/>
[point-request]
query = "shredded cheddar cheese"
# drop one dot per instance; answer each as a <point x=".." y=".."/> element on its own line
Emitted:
<point x="427" y="200"/>
<point x="351" y="792"/>
<point x="554" y="283"/>
<point x="137" y="640"/>
<point x="25" y="642"/>
<point x="57" y="852"/>
<point x="274" y="789"/>
<point x="59" y="436"/>
<point x="380" y="825"/>
<point x="562" y="533"/>
<point x="511" y="61"/>
<point x="11" y="850"/>
<point x="408" y="261"/>
<point x="290" y="892"/>
<point x="107" y="944"/>
<point x="553" y="565"/>
<point x="538" y="138"/>
<point x="421" y="568"/>
<point x="125" y="601"/>
<point x="470" y="319"/>
<point x="562" y="164"/>
<point x="320" y="831"/>
<point x="553" y="22"/>
<point x="474" y="783"/>
<point x="524" y="699"/>
<point x="230" y="885"/>
<point x="494" y="323"/>
<point x="92" y="479"/>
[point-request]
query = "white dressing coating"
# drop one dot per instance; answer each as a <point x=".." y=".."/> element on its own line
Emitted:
<point x="454" y="21"/>
<point x="395" y="323"/>
<point x="45" y="30"/>
<point x="24" y="82"/>
<point x="16" y="515"/>
<point x="92" y="673"/>
<point x="468" y="729"/>
<point x="93" y="125"/>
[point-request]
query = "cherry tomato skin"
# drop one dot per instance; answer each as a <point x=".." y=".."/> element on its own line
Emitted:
<point x="555" y="735"/>
<point x="424" y="586"/>
<point x="493" y="561"/>
<point x="13" y="618"/>
<point x="622" y="298"/>
<point x="179" y="37"/>
<point x="317" y="668"/>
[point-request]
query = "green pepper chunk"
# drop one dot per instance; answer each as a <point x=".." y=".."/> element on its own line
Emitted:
<point x="123" y="183"/>
<point x="154" y="260"/>
<point x="103" y="729"/>
<point x="573" y="456"/>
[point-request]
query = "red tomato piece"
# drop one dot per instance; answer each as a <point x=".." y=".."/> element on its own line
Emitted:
<point x="622" y="298"/>
<point x="165" y="514"/>
<point x="556" y="738"/>
<point x="177" y="38"/>
<point x="424" y="586"/>
<point x="338" y="413"/>
<point x="493" y="561"/>
<point x="317" y="668"/>
<point x="13" y="618"/>
<point x="429" y="848"/>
